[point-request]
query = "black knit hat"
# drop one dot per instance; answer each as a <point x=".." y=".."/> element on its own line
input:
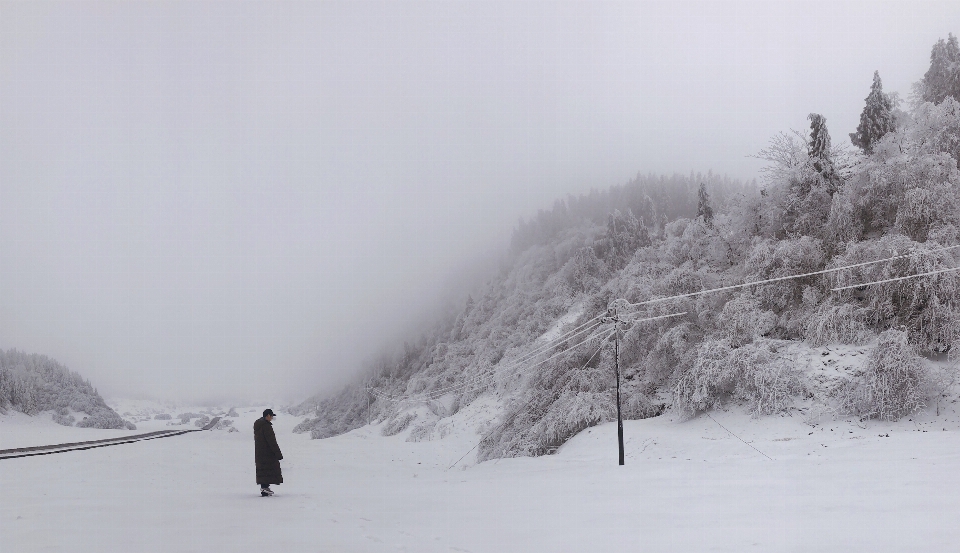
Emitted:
<point x="268" y="412"/>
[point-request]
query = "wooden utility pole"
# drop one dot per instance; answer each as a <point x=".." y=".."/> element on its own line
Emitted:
<point x="616" y="362"/>
<point x="613" y="316"/>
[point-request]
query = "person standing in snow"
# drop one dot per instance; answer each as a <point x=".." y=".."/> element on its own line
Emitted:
<point x="267" y="453"/>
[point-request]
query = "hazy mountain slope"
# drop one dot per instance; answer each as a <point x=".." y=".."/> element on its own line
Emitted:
<point x="560" y="260"/>
<point x="854" y="247"/>
<point x="31" y="383"/>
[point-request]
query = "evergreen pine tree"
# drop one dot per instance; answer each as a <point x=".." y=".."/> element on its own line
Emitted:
<point x="819" y="148"/>
<point x="943" y="77"/>
<point x="703" y="205"/>
<point x="876" y="119"/>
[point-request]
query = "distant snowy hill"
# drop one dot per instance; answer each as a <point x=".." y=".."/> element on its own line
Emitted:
<point x="32" y="383"/>
<point x="853" y="248"/>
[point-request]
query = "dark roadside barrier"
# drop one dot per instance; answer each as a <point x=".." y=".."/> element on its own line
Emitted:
<point x="92" y="444"/>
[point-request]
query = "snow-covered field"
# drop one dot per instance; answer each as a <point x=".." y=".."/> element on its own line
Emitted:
<point x="687" y="486"/>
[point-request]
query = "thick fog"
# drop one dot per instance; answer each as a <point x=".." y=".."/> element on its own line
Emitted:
<point x="245" y="200"/>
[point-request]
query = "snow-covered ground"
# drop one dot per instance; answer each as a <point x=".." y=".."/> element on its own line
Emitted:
<point x="686" y="486"/>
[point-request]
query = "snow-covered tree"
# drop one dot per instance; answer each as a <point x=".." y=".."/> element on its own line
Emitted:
<point x="876" y="119"/>
<point x="625" y="234"/>
<point x="890" y="385"/>
<point x="703" y="205"/>
<point x="942" y="79"/>
<point x="819" y="146"/>
<point x="584" y="271"/>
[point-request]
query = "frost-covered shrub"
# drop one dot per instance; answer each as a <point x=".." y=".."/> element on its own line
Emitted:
<point x="397" y="424"/>
<point x="107" y="420"/>
<point x="202" y="421"/>
<point x="422" y="431"/>
<point x="65" y="420"/>
<point x="890" y="384"/>
<point x="673" y="351"/>
<point x="232" y="412"/>
<point x="565" y="396"/>
<point x="305" y="425"/>
<point x="766" y="380"/>
<point x="584" y="272"/>
<point x="163" y="417"/>
<point x="638" y="406"/>
<point x="710" y="378"/>
<point x="836" y="324"/>
<point x="571" y="413"/>
<point x="223" y="424"/>
<point x="742" y="320"/>
<point x="185" y="418"/>
<point x="753" y="373"/>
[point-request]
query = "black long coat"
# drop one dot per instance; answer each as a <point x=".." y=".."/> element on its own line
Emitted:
<point x="267" y="453"/>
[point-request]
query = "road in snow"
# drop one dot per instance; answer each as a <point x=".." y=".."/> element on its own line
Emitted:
<point x="687" y="486"/>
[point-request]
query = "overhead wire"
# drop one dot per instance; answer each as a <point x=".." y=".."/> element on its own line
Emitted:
<point x="657" y="318"/>
<point x="515" y="413"/>
<point x="790" y="277"/>
<point x="537" y="350"/>
<point x="510" y="369"/>
<point x="435" y="394"/>
<point x="592" y="325"/>
<point x="584" y="327"/>
<point x="464" y="385"/>
<point x="929" y="273"/>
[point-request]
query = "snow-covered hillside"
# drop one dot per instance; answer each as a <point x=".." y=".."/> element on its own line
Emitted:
<point x="32" y="383"/>
<point x="718" y="283"/>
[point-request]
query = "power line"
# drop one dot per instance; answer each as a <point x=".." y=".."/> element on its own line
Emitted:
<point x="435" y="394"/>
<point x="778" y="279"/>
<point x="896" y="279"/>
<point x="518" y="363"/>
<point x="496" y="377"/>
<point x="608" y="333"/>
<point x="739" y="438"/>
<point x="517" y="412"/>
<point x="657" y="318"/>
<point x="514" y="363"/>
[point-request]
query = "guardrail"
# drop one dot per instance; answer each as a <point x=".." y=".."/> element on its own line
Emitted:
<point x="92" y="444"/>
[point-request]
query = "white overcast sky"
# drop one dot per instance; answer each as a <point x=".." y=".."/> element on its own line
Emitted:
<point x="244" y="199"/>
